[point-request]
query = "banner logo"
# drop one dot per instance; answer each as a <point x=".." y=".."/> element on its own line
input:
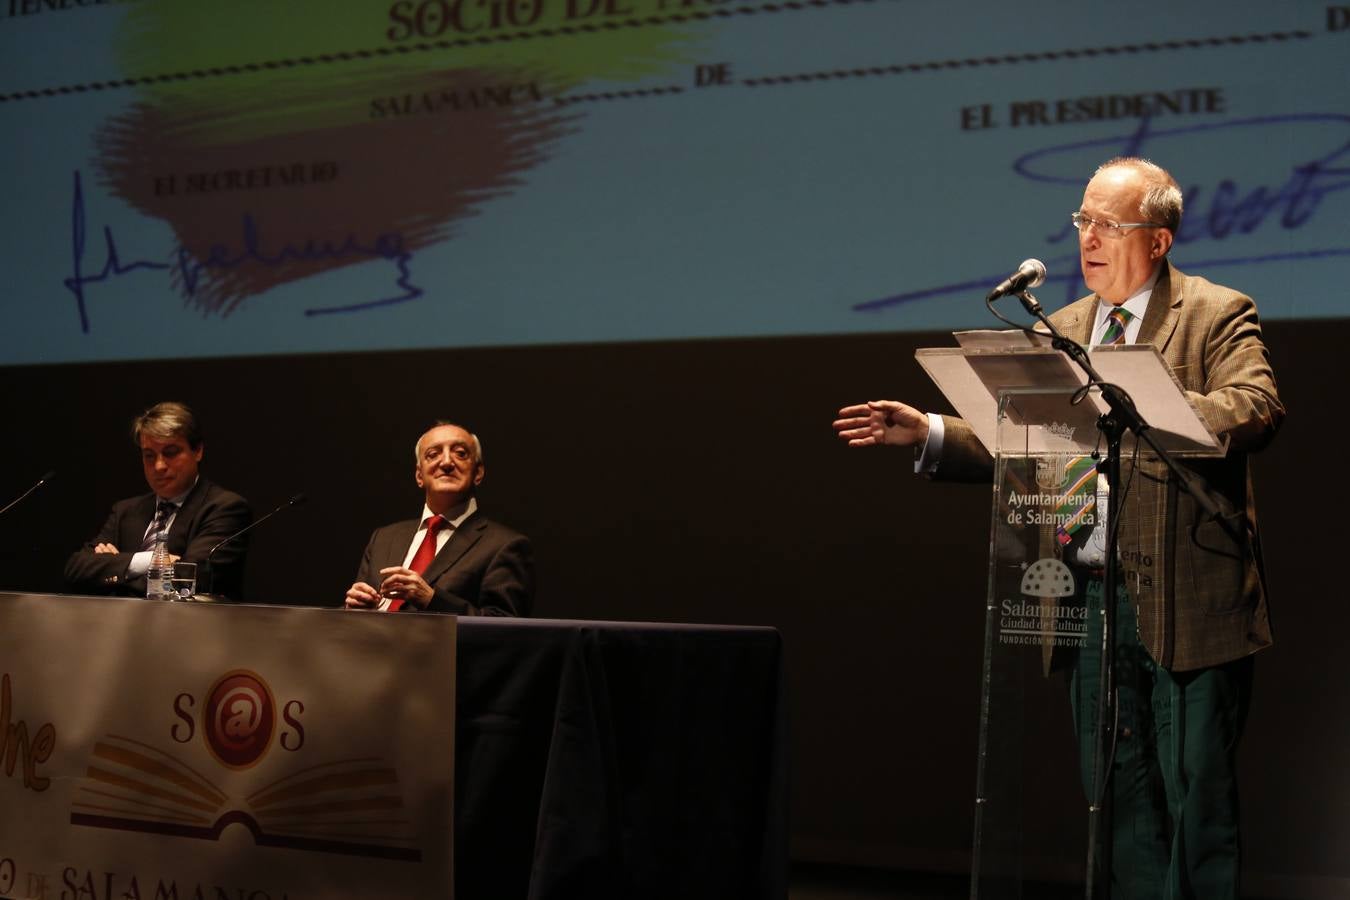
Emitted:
<point x="286" y="799"/>
<point x="239" y="719"/>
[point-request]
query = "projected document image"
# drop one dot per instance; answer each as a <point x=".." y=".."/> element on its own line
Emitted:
<point x="444" y="173"/>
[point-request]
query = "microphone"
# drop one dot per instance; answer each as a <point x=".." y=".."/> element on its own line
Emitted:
<point x="40" y="482"/>
<point x="295" y="500"/>
<point x="1030" y="274"/>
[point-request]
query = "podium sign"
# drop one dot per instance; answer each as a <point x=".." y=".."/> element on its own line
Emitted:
<point x="1030" y="803"/>
<point x="1038" y="745"/>
<point x="161" y="750"/>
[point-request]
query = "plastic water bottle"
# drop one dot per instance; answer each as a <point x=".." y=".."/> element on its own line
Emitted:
<point x="159" y="577"/>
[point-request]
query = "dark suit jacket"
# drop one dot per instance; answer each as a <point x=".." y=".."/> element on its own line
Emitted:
<point x="485" y="569"/>
<point x="209" y="514"/>
<point x="1201" y="596"/>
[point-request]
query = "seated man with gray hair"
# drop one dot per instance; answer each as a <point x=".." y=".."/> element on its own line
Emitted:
<point x="452" y="559"/>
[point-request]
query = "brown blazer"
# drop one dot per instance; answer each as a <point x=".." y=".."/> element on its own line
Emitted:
<point x="1201" y="597"/>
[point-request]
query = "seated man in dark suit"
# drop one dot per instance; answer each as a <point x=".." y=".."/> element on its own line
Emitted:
<point x="452" y="559"/>
<point x="195" y="514"/>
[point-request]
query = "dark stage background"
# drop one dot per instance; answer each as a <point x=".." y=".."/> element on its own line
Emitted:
<point x="701" y="482"/>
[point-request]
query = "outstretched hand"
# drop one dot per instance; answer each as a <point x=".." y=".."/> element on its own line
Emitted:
<point x="880" y="422"/>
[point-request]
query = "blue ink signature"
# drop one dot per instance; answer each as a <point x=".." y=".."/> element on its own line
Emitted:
<point x="111" y="265"/>
<point x="1229" y="212"/>
<point x="386" y="246"/>
<point x="389" y="246"/>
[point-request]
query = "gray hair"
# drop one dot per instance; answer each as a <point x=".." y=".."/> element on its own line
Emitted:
<point x="1163" y="200"/>
<point x="477" y="444"/>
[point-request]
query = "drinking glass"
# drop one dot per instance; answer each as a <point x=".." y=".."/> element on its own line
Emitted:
<point x="184" y="580"/>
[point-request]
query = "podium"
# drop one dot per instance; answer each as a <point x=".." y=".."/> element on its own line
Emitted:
<point x="1041" y="748"/>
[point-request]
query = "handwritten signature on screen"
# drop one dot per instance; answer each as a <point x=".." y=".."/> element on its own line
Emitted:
<point x="190" y="269"/>
<point x="1213" y="213"/>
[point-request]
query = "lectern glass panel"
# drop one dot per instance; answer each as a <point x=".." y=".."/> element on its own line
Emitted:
<point x="1031" y="807"/>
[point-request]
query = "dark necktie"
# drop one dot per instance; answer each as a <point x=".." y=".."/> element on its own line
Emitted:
<point x="164" y="511"/>
<point x="426" y="552"/>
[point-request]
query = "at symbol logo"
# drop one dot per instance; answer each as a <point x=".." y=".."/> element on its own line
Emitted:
<point x="239" y="719"/>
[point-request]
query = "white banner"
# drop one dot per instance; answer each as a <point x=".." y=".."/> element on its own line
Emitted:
<point x="178" y="751"/>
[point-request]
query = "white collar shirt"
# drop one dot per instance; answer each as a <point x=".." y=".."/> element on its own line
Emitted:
<point x="454" y="516"/>
<point x="1136" y="303"/>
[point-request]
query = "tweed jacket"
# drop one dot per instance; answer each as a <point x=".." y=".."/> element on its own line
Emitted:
<point x="1200" y="596"/>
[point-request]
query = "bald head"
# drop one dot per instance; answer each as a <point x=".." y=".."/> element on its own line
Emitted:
<point x="449" y="466"/>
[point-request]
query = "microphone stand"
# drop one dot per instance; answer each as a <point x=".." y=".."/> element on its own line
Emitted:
<point x="17" y="500"/>
<point x="210" y="597"/>
<point x="1121" y="416"/>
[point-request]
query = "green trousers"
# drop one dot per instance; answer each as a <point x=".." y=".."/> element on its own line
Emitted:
<point x="1174" y="794"/>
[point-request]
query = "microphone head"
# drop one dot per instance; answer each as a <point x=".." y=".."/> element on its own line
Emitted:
<point x="51" y="473"/>
<point x="296" y="500"/>
<point x="1035" y="270"/>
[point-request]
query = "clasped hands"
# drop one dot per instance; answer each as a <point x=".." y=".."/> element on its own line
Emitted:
<point x="110" y="548"/>
<point x="400" y="583"/>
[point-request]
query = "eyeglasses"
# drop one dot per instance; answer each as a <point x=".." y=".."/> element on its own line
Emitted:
<point x="1107" y="229"/>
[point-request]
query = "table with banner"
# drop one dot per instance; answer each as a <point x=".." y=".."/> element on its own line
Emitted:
<point x="196" y="750"/>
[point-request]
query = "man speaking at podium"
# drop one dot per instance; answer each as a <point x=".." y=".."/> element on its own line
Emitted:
<point x="196" y="514"/>
<point x="452" y="559"/>
<point x="1185" y="638"/>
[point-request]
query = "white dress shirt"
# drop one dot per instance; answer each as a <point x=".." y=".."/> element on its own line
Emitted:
<point x="454" y="517"/>
<point x="140" y="560"/>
